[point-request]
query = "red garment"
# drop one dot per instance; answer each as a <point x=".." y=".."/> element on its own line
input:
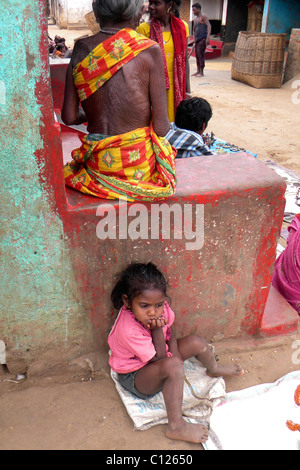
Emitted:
<point x="178" y="31"/>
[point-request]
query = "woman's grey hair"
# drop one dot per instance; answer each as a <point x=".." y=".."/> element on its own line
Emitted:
<point x="117" y="10"/>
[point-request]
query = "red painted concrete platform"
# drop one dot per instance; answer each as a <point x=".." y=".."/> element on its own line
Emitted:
<point x="279" y="317"/>
<point x="223" y="288"/>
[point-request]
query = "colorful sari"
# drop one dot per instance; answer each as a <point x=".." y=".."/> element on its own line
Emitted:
<point x="178" y="31"/>
<point x="137" y="165"/>
<point x="173" y="46"/>
<point x="286" y="276"/>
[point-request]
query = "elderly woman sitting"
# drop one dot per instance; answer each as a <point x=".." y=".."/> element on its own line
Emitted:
<point x="115" y="83"/>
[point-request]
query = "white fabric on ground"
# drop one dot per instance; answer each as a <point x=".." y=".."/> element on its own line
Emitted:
<point x="255" y="418"/>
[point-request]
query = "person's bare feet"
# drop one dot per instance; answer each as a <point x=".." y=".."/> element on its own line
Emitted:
<point x="199" y="73"/>
<point x="231" y="370"/>
<point x="189" y="432"/>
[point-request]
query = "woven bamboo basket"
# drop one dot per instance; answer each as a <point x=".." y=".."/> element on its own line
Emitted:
<point x="92" y="22"/>
<point x="259" y="59"/>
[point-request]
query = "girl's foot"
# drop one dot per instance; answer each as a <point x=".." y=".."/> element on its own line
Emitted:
<point x="190" y="432"/>
<point x="226" y="371"/>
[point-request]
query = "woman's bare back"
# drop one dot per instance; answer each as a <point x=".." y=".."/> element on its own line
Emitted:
<point x="124" y="103"/>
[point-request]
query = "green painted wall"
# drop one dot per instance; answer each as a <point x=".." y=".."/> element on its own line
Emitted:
<point x="38" y="309"/>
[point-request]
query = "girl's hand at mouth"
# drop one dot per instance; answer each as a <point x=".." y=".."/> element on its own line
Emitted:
<point x="156" y="323"/>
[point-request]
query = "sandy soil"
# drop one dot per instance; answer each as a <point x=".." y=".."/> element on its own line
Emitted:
<point x="65" y="412"/>
<point x="264" y="121"/>
<point x="61" y="412"/>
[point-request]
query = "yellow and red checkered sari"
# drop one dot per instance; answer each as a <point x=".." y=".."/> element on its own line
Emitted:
<point x="137" y="165"/>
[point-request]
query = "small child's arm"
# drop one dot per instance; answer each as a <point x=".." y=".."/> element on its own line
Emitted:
<point x="159" y="343"/>
<point x="173" y="346"/>
<point x="158" y="338"/>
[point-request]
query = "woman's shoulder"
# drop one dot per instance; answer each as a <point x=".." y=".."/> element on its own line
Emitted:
<point x="81" y="49"/>
<point x="144" y="28"/>
<point x="85" y="46"/>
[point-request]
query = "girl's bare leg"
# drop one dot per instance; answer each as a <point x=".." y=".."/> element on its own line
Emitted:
<point x="168" y="374"/>
<point x="196" y="346"/>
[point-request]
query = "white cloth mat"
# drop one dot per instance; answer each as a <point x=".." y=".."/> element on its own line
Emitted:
<point x="255" y="418"/>
<point x="147" y="413"/>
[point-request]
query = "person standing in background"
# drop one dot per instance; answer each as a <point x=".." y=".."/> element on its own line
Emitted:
<point x="171" y="33"/>
<point x="202" y="32"/>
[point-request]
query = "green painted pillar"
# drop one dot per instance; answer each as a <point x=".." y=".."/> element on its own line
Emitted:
<point x="38" y="310"/>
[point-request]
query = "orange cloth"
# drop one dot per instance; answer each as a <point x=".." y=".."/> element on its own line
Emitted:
<point x="136" y="165"/>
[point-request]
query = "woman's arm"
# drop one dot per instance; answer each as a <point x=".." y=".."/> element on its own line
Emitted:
<point x="158" y="94"/>
<point x="71" y="113"/>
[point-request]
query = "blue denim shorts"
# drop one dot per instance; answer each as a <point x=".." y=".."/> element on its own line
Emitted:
<point x="127" y="382"/>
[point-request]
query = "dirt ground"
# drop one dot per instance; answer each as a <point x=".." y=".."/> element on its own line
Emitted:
<point x="84" y="413"/>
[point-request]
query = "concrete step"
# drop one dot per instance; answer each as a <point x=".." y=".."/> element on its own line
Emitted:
<point x="279" y="317"/>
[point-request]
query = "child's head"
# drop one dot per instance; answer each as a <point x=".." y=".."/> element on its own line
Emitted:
<point x="60" y="47"/>
<point x="193" y="114"/>
<point x="142" y="288"/>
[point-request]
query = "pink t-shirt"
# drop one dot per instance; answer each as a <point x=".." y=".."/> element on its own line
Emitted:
<point x="131" y="343"/>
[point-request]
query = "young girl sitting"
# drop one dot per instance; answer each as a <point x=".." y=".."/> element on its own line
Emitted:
<point x="145" y="352"/>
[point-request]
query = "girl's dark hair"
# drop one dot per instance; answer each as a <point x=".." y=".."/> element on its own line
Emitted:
<point x="135" y="279"/>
